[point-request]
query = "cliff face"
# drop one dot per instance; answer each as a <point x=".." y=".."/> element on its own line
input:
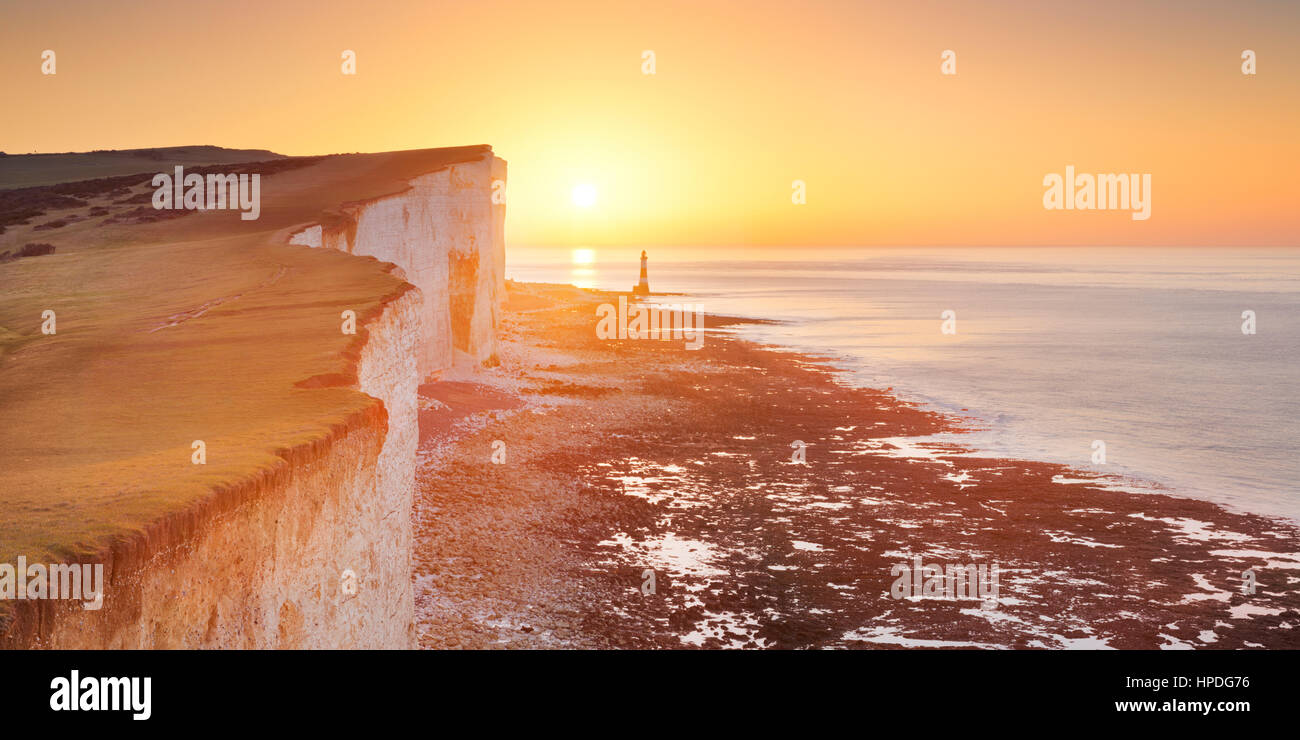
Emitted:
<point x="448" y="237"/>
<point x="314" y="551"/>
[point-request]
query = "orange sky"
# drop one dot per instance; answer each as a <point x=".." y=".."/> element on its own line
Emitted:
<point x="748" y="96"/>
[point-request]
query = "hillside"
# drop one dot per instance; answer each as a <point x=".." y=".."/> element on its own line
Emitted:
<point x="28" y="170"/>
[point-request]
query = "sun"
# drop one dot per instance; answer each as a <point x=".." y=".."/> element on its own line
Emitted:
<point x="584" y="195"/>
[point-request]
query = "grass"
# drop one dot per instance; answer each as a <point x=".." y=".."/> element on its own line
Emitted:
<point x="19" y="206"/>
<point x="27" y="170"/>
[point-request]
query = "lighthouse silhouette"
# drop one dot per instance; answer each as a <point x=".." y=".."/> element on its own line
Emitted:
<point x="642" y="287"/>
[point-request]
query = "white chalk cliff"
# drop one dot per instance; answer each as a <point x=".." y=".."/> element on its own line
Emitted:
<point x="448" y="237"/>
<point x="315" y="551"/>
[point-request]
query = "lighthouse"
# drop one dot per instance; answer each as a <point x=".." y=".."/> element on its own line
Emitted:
<point x="642" y="287"/>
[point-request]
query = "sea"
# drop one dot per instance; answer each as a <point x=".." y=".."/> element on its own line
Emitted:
<point x="1181" y="362"/>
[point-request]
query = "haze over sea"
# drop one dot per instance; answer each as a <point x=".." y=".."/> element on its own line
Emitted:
<point x="1055" y="347"/>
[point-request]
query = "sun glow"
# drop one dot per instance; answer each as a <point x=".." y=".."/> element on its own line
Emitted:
<point x="584" y="195"/>
<point x="582" y="270"/>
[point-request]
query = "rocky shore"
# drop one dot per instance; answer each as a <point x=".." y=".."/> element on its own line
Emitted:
<point x="601" y="494"/>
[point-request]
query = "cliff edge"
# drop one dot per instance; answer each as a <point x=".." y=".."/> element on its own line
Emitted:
<point x="294" y="529"/>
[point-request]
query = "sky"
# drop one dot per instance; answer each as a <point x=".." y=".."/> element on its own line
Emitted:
<point x="746" y="98"/>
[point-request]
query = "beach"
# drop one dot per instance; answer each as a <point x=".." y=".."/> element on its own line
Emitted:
<point x="616" y="458"/>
